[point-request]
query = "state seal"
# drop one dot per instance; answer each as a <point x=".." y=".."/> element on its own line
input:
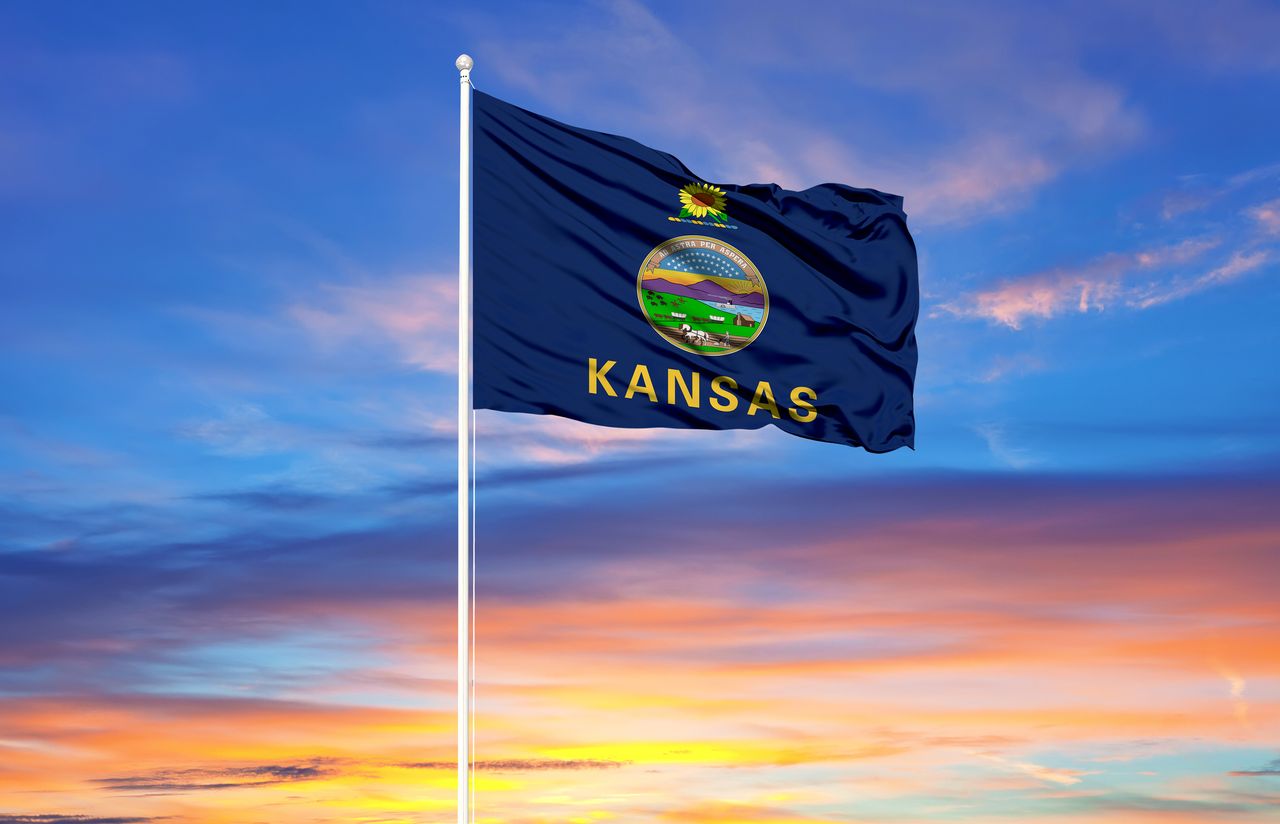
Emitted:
<point x="702" y="295"/>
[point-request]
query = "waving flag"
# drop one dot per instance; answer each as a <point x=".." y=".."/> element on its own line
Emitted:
<point x="614" y="286"/>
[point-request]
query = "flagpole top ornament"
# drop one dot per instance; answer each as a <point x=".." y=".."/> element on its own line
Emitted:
<point x="464" y="64"/>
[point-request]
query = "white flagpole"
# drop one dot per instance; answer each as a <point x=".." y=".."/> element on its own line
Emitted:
<point x="466" y="670"/>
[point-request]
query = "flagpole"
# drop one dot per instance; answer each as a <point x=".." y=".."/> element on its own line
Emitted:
<point x="466" y="670"/>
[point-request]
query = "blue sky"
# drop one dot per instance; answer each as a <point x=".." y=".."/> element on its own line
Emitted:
<point x="227" y="254"/>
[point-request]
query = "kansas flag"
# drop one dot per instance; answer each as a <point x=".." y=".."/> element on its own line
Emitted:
<point x="614" y="286"/>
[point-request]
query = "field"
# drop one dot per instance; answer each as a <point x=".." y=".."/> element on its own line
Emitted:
<point x="660" y="305"/>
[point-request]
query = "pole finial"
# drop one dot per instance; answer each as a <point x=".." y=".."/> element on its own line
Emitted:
<point x="464" y="63"/>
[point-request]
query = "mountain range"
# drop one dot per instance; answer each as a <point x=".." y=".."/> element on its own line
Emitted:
<point x="707" y="290"/>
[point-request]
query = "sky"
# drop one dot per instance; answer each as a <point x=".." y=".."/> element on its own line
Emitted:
<point x="227" y="263"/>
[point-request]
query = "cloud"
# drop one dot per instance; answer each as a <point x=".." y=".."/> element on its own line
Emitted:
<point x="271" y="499"/>
<point x="60" y="818"/>
<point x="357" y="321"/>
<point x="1158" y="273"/>
<point x="525" y="476"/>
<point x="18" y="436"/>
<point x="1267" y="216"/>
<point x="1151" y="807"/>
<point x="1239" y="265"/>
<point x="61" y="611"/>
<point x="1135" y="280"/>
<point x="998" y="442"/>
<point x="729" y="812"/>
<point x="553" y="440"/>
<point x="60" y="618"/>
<point x="1198" y="192"/>
<point x="218" y="778"/>
<point x="523" y="764"/>
<point x="550" y="439"/>
<point x="409" y="441"/>
<point x="1236" y="685"/>
<point x="1176" y="204"/>
<point x="970" y="118"/>
<point x="243" y="430"/>
<point x="1271" y="769"/>
<point x="1005" y="366"/>
<point x="248" y="430"/>
<point x="926" y="616"/>
<point x="415" y="315"/>
<point x="1236" y="37"/>
<point x="1049" y="775"/>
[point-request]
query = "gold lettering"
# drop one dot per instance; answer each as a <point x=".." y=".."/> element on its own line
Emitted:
<point x="642" y="383"/>
<point x="730" y="401"/>
<point x="764" y="392"/>
<point x="597" y="377"/>
<point x="691" y="399"/>
<point x="797" y="398"/>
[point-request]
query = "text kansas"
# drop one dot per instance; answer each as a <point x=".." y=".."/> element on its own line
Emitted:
<point x="723" y="394"/>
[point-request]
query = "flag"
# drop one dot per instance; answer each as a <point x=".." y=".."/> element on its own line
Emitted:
<point x="614" y="286"/>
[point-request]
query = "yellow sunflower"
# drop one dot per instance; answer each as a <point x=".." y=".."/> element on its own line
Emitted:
<point x="702" y="200"/>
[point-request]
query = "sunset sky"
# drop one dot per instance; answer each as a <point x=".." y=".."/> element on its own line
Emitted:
<point x="227" y="250"/>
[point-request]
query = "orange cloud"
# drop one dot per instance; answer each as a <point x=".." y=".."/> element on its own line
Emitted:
<point x="166" y="756"/>
<point x="994" y="643"/>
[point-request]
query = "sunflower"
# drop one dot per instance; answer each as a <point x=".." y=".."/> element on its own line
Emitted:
<point x="702" y="200"/>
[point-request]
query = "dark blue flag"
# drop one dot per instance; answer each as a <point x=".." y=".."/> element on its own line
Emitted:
<point x="615" y="286"/>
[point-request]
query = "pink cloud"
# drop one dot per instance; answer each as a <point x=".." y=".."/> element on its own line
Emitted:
<point x="548" y="439"/>
<point x="414" y="315"/>
<point x="1267" y="216"/>
<point x="1137" y="280"/>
